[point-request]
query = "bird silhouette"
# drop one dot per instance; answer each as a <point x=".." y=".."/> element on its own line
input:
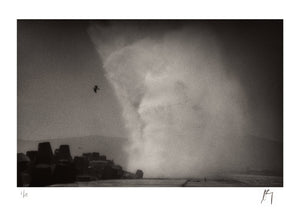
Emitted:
<point x="96" y="88"/>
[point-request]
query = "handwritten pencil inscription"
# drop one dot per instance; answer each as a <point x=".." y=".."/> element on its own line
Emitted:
<point x="24" y="194"/>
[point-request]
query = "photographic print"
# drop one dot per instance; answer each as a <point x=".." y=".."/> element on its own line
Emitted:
<point x="149" y="103"/>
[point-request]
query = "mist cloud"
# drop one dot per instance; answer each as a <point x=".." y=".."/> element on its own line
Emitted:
<point x="183" y="113"/>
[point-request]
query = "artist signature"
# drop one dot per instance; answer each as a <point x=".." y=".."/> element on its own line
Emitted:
<point x="266" y="194"/>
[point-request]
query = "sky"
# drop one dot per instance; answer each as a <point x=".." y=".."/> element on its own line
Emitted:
<point x="188" y="88"/>
<point x="57" y="69"/>
<point x="58" y="66"/>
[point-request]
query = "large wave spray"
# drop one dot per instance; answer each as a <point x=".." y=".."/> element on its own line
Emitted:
<point x="180" y="107"/>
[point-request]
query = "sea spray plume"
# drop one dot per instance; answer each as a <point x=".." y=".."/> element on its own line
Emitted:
<point x="179" y="106"/>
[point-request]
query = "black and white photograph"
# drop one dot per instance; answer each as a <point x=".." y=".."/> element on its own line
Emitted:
<point x="150" y="103"/>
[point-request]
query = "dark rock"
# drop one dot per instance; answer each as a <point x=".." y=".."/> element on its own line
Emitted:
<point x="32" y="155"/>
<point x="139" y="174"/>
<point x="81" y="165"/>
<point x="63" y="153"/>
<point x="42" y="175"/>
<point x="45" y="154"/>
<point x="97" y="168"/>
<point x="64" y="172"/>
<point x="22" y="169"/>
<point x="95" y="156"/>
<point x="102" y="157"/>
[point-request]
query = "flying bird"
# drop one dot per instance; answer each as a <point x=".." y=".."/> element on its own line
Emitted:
<point x="96" y="88"/>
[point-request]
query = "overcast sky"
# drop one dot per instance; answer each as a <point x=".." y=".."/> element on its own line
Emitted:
<point x="58" y="65"/>
<point x="57" y="69"/>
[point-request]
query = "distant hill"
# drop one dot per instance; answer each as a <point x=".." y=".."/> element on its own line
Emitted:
<point x="112" y="147"/>
<point x="259" y="154"/>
